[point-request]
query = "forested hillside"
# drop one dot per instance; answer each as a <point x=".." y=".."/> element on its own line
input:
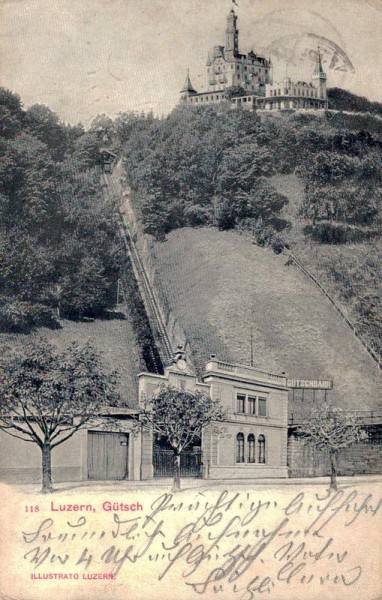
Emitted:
<point x="211" y="167"/>
<point x="57" y="236"/>
<point x="217" y="167"/>
<point x="346" y="101"/>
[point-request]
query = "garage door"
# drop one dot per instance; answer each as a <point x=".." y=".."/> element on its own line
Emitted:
<point x="108" y="455"/>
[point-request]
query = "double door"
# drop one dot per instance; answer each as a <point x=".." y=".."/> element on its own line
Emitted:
<point x="108" y="455"/>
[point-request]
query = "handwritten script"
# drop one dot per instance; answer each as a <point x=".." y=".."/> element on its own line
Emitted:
<point x="244" y="544"/>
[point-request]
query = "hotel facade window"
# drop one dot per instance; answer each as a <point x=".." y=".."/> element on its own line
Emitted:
<point x="262" y="407"/>
<point x="251" y="404"/>
<point x="261" y="444"/>
<point x="240" y="448"/>
<point x="246" y="450"/>
<point x="241" y="403"/>
<point x="251" y="448"/>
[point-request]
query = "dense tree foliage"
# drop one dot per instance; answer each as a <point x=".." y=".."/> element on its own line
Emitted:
<point x="212" y="166"/>
<point x="57" y="238"/>
<point x="342" y="188"/>
<point x="343" y="100"/>
<point x="202" y="167"/>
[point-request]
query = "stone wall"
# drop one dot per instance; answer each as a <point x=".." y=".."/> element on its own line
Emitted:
<point x="362" y="458"/>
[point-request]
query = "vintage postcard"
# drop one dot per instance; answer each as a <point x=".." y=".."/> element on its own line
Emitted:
<point x="190" y="299"/>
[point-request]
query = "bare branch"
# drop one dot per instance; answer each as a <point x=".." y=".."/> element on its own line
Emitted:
<point x="29" y="439"/>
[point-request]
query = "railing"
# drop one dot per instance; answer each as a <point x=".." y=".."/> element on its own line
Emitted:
<point x="190" y="463"/>
<point x="226" y="367"/>
<point x="250" y="372"/>
<point x="338" y="308"/>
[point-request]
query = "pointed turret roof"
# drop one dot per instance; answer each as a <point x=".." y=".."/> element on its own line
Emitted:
<point x="188" y="87"/>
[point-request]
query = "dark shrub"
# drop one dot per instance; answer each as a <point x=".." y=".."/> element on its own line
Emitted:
<point x="20" y="317"/>
<point x="278" y="244"/>
<point x="197" y="215"/>
<point x="330" y="233"/>
<point x="339" y="233"/>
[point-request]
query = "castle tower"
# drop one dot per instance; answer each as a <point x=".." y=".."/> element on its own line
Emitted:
<point x="231" y="35"/>
<point x="319" y="78"/>
<point x="187" y="89"/>
<point x="270" y="72"/>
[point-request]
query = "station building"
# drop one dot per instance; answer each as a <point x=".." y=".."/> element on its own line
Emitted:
<point x="253" y="439"/>
<point x="258" y="439"/>
<point x="252" y="443"/>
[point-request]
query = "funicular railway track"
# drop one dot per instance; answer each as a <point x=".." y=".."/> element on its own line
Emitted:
<point x="158" y="327"/>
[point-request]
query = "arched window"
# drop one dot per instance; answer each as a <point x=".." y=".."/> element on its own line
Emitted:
<point x="240" y="447"/>
<point x="261" y="442"/>
<point x="251" y="448"/>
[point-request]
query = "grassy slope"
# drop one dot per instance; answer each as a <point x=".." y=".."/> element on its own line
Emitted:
<point x="219" y="284"/>
<point x="113" y="337"/>
<point x="358" y="266"/>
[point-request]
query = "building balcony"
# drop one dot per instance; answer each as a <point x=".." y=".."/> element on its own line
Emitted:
<point x="243" y="372"/>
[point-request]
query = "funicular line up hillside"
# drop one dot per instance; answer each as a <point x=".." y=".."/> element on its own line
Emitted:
<point x="179" y="372"/>
<point x="161" y="335"/>
<point x="260" y="416"/>
<point x="296" y="467"/>
<point x="152" y="305"/>
<point x="167" y="329"/>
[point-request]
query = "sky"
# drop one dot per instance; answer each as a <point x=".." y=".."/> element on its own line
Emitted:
<point x="87" y="57"/>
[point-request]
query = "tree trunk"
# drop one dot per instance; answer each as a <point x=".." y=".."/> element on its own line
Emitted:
<point x="176" y="482"/>
<point x="46" y="468"/>
<point x="333" y="471"/>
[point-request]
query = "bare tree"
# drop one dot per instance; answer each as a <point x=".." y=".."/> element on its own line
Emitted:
<point x="46" y="397"/>
<point x="334" y="430"/>
<point x="180" y="417"/>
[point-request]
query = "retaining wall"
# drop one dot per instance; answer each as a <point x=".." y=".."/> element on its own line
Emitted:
<point x="362" y="458"/>
<point x="145" y="247"/>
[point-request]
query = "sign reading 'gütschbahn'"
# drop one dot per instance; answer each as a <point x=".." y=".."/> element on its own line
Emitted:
<point x="313" y="384"/>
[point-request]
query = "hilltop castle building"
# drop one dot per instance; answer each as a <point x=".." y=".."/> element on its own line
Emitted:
<point x="246" y="80"/>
